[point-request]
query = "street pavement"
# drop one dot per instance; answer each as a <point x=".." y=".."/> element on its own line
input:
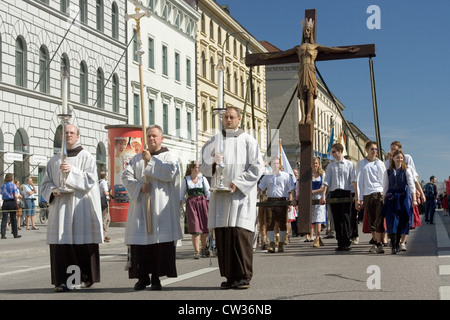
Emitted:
<point x="300" y="273"/>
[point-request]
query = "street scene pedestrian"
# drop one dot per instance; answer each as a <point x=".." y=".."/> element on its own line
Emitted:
<point x="339" y="177"/>
<point x="195" y="191"/>
<point x="400" y="197"/>
<point x="153" y="228"/>
<point x="74" y="229"/>
<point x="232" y="214"/>
<point x="369" y="181"/>
<point x="105" y="193"/>
<point x="29" y="192"/>
<point x="278" y="187"/>
<point x="9" y="193"/>
<point x="430" y="191"/>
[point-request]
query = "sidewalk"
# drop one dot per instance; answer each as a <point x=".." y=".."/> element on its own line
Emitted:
<point x="33" y="242"/>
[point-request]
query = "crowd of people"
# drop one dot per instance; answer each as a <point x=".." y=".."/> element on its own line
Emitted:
<point x="387" y="197"/>
<point x="18" y="206"/>
<point x="386" y="194"/>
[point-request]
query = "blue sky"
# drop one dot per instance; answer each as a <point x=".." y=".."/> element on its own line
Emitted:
<point x="412" y="66"/>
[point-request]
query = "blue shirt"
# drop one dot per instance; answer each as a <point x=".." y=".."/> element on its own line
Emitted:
<point x="8" y="190"/>
<point x="277" y="185"/>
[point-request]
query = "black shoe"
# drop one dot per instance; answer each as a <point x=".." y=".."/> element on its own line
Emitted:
<point x="3" y="237"/>
<point x="226" y="285"/>
<point x="242" y="284"/>
<point x="156" y="284"/>
<point x="18" y="236"/>
<point x="62" y="288"/>
<point x="142" y="283"/>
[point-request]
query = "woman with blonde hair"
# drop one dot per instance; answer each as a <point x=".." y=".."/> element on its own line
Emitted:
<point x="319" y="214"/>
<point x="400" y="198"/>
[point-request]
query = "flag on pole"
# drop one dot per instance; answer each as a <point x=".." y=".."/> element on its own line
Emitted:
<point x="331" y="141"/>
<point x="285" y="163"/>
<point x="342" y="139"/>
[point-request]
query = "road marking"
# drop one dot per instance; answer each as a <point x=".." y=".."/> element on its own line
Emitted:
<point x="38" y="268"/>
<point x="443" y="241"/>
<point x="187" y="276"/>
<point x="23" y="270"/>
<point x="441" y="233"/>
<point x="444" y="293"/>
<point x="444" y="270"/>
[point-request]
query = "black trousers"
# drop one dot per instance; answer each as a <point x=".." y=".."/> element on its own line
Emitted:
<point x="9" y="207"/>
<point x="341" y="217"/>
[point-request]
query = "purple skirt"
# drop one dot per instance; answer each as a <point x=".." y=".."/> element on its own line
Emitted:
<point x="197" y="214"/>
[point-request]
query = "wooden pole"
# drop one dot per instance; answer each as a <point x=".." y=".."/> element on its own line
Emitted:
<point x="137" y="17"/>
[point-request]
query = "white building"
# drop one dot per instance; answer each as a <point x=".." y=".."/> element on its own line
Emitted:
<point x="37" y="38"/>
<point x="169" y="73"/>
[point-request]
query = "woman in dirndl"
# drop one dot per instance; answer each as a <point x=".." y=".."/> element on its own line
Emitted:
<point x="196" y="188"/>
<point x="399" y="198"/>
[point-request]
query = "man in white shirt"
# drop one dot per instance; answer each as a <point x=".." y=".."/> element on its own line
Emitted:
<point x="339" y="177"/>
<point x="279" y="187"/>
<point x="369" y="178"/>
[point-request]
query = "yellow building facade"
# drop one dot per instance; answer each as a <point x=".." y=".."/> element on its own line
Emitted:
<point x="221" y="40"/>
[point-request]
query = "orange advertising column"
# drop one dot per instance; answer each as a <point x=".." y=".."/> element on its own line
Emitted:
<point x="124" y="141"/>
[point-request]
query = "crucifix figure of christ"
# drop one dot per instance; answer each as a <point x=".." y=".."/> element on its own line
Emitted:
<point x="306" y="55"/>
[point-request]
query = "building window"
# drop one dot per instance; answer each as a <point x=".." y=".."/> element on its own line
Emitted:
<point x="213" y="120"/>
<point x="99" y="10"/>
<point x="212" y="70"/>
<point x="177" y="66"/>
<point x="136" y="109"/>
<point x="203" y="65"/>
<point x="204" y="118"/>
<point x="211" y="30"/>
<point x="151" y="111"/>
<point x="189" y="124"/>
<point x="178" y="120"/>
<point x="64" y="6"/>
<point x="151" y="53"/>
<point x="100" y="89"/>
<point x="44" y="72"/>
<point x="165" y="119"/>
<point x="164" y="61"/>
<point x="115" y="21"/>
<point x="115" y="93"/>
<point x="21" y="63"/>
<point x="202" y="23"/>
<point x="83" y="83"/>
<point x="135" y="45"/>
<point x="188" y="72"/>
<point x="83" y="11"/>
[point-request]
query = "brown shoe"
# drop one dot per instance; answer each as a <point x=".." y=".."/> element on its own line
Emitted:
<point x="316" y="243"/>
<point x="280" y="246"/>
<point x="271" y="248"/>
<point x="107" y="239"/>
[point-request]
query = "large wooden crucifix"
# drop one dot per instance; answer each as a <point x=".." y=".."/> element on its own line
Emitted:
<point x="307" y="54"/>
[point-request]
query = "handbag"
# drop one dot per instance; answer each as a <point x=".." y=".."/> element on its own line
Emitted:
<point x="20" y="204"/>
